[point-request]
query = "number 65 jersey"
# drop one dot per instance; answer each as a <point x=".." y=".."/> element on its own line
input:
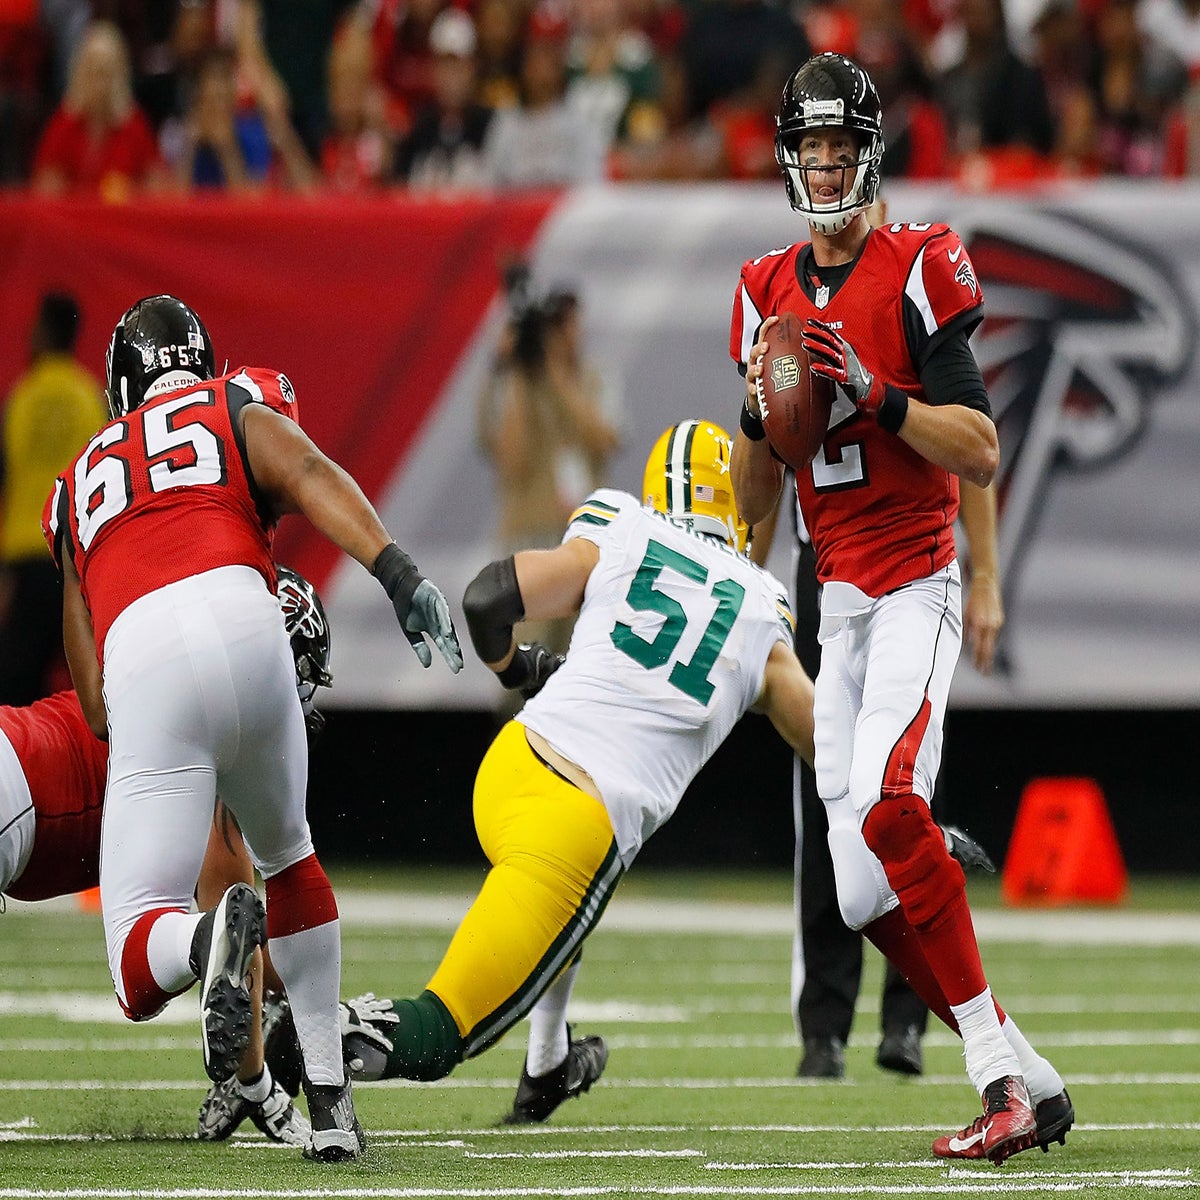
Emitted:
<point x="172" y="478"/>
<point x="668" y="653"/>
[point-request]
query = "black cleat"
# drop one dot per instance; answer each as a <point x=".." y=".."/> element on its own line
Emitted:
<point x="1055" y="1116"/>
<point x="824" y="1058"/>
<point x="281" y="1046"/>
<point x="900" y="1051"/>
<point x="970" y="854"/>
<point x="336" y="1133"/>
<point x="225" y="1108"/>
<point x="222" y="947"/>
<point x="538" y="1096"/>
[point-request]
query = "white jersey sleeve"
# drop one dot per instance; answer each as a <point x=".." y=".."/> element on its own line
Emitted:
<point x="668" y="653"/>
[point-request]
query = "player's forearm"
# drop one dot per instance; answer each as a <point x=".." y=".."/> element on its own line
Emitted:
<point x="978" y="512"/>
<point x="329" y="497"/>
<point x="962" y="440"/>
<point x="757" y="478"/>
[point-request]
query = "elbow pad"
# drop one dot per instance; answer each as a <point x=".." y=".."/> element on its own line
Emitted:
<point x="493" y="605"/>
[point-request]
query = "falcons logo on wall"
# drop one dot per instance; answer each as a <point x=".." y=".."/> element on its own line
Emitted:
<point x="1082" y="330"/>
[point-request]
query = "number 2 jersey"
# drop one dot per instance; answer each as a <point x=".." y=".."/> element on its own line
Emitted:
<point x="173" y="481"/>
<point x="668" y="653"/>
<point x="879" y="514"/>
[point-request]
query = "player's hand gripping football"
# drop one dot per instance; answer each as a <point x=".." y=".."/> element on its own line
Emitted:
<point x="754" y="369"/>
<point x="832" y="356"/>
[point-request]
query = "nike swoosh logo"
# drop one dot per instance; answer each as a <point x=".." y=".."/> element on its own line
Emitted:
<point x="954" y="257"/>
<point x="958" y="1144"/>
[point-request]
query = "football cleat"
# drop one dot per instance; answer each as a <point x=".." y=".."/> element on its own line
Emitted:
<point x="281" y="1046"/>
<point x="824" y="1058"/>
<point x="1055" y="1116"/>
<point x="225" y="1108"/>
<point x="538" y="1096"/>
<point x="222" y="947"/>
<point x="970" y="854"/>
<point x="900" y="1051"/>
<point x="336" y="1133"/>
<point x="1006" y="1126"/>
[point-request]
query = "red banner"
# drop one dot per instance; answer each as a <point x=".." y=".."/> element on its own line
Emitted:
<point x="366" y="306"/>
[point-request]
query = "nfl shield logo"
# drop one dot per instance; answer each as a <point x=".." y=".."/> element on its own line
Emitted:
<point x="822" y="296"/>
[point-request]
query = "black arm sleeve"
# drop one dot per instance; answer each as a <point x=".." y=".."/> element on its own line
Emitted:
<point x="493" y="605"/>
<point x="950" y="375"/>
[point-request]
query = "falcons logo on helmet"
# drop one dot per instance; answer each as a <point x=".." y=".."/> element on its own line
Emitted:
<point x="1081" y="331"/>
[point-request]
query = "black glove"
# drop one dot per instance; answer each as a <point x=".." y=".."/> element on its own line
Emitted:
<point x="529" y="669"/>
<point x="420" y="607"/>
<point x="970" y="854"/>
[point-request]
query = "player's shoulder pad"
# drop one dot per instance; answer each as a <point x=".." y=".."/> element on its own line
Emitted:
<point x="260" y="385"/>
<point x="766" y="265"/>
<point x="939" y="276"/>
<point x="599" y="510"/>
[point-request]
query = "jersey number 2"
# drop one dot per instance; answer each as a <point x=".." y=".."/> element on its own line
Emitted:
<point x="691" y="678"/>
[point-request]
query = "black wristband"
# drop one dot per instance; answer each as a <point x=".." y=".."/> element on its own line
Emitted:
<point x="893" y="409"/>
<point x="398" y="574"/>
<point x="518" y="672"/>
<point x="751" y="425"/>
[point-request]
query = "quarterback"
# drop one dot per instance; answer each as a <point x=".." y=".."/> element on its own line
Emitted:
<point x="678" y="635"/>
<point x="887" y="314"/>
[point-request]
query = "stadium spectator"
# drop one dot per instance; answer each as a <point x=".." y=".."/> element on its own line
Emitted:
<point x="238" y="146"/>
<point x="403" y="55"/>
<point x="24" y="50"/>
<point x="498" y="27"/>
<point x="745" y="123"/>
<point x="612" y="74"/>
<point x="725" y="42"/>
<point x="359" y="149"/>
<point x="543" y="142"/>
<point x="52" y="410"/>
<point x="444" y="147"/>
<point x="994" y="102"/>
<point x="183" y="660"/>
<point x="98" y="141"/>
<point x="1172" y="28"/>
<point x="295" y="41"/>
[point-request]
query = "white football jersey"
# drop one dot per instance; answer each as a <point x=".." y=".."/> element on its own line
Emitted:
<point x="667" y="654"/>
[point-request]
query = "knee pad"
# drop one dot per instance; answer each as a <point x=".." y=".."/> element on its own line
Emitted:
<point x="902" y="835"/>
<point x="863" y="891"/>
<point x="426" y="1044"/>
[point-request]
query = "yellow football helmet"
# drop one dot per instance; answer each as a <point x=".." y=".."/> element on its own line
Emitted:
<point x="687" y="477"/>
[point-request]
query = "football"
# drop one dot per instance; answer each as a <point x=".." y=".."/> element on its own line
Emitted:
<point x="795" y="402"/>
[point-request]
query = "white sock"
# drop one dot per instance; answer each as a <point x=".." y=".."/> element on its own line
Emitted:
<point x="548" y="1040"/>
<point x="310" y="964"/>
<point x="168" y="949"/>
<point x="987" y="1052"/>
<point x="257" y="1090"/>
<point x="1042" y="1080"/>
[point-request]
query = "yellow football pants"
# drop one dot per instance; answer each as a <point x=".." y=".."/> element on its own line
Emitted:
<point x="554" y="867"/>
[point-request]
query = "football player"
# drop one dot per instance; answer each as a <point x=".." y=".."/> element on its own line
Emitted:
<point x="162" y="528"/>
<point x="52" y="773"/>
<point x="678" y="635"/>
<point x="888" y="313"/>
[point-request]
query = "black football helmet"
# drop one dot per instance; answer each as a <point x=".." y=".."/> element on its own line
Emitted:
<point x="307" y="628"/>
<point x="158" y="345"/>
<point x="830" y="90"/>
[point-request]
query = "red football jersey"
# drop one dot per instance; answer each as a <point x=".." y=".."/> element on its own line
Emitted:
<point x="878" y="513"/>
<point x="65" y="766"/>
<point x="171" y="479"/>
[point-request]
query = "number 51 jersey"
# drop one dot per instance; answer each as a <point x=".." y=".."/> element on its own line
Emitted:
<point x="172" y="480"/>
<point x="668" y="653"/>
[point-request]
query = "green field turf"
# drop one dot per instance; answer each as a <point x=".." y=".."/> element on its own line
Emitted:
<point x="688" y="979"/>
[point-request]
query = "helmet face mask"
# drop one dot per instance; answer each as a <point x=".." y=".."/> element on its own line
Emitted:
<point x="307" y="628"/>
<point x="159" y="345"/>
<point x="687" y="478"/>
<point x="827" y="93"/>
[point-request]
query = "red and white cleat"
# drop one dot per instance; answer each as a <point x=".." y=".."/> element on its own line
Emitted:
<point x="1006" y="1127"/>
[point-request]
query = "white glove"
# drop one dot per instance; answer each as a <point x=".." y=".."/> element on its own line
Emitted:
<point x="368" y="1017"/>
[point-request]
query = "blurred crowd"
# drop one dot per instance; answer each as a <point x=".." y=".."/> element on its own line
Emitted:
<point x="114" y="97"/>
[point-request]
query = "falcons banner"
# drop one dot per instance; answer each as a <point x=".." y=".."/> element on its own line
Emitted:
<point x="386" y="316"/>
